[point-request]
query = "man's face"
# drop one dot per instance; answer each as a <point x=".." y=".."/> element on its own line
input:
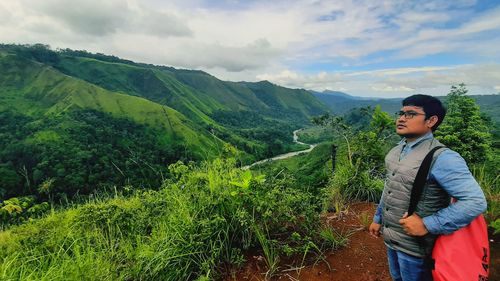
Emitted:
<point x="415" y="125"/>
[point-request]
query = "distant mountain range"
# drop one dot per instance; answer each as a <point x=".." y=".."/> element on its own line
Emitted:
<point x="340" y="103"/>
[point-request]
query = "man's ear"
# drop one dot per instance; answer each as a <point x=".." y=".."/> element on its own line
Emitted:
<point x="432" y="121"/>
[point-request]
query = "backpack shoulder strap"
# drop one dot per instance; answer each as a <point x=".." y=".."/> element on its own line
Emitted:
<point x="420" y="179"/>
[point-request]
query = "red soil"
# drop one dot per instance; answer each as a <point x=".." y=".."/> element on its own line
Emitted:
<point x="363" y="259"/>
<point x="495" y="256"/>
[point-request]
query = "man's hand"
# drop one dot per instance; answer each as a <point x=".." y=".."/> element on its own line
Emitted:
<point x="413" y="225"/>
<point x="375" y="229"/>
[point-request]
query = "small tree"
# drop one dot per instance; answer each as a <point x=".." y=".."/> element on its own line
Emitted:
<point x="359" y="173"/>
<point x="339" y="127"/>
<point x="463" y="129"/>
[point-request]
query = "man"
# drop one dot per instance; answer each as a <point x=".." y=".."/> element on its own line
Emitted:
<point x="449" y="176"/>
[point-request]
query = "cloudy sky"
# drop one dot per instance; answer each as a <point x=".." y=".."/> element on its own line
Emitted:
<point x="365" y="48"/>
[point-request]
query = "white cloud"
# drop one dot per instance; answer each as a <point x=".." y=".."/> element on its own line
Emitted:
<point x="249" y="40"/>
<point x="481" y="79"/>
<point x="400" y="71"/>
<point x="4" y="14"/>
<point x="382" y="87"/>
<point x="233" y="58"/>
<point x="105" y="18"/>
<point x="96" y="18"/>
<point x="161" y="24"/>
<point x="319" y="81"/>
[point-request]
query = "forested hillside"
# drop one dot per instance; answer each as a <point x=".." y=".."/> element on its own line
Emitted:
<point x="73" y="122"/>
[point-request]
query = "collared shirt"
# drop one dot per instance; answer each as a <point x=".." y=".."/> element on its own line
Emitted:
<point x="450" y="171"/>
<point x="408" y="147"/>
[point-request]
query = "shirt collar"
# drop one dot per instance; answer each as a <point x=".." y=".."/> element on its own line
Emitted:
<point x="429" y="135"/>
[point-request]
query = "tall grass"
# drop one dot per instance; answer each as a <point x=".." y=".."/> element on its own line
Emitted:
<point x="270" y="249"/>
<point x="333" y="238"/>
<point x="199" y="223"/>
<point x="489" y="179"/>
<point x="351" y="183"/>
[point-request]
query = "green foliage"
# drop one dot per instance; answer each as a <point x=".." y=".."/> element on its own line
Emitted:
<point x="333" y="239"/>
<point x="463" y="129"/>
<point x="488" y="178"/>
<point x="315" y="134"/>
<point x="253" y="133"/>
<point x="270" y="250"/>
<point x="199" y="222"/>
<point x="246" y="179"/>
<point x="38" y="52"/>
<point x="354" y="184"/>
<point x="20" y="209"/>
<point x="365" y="219"/>
<point x="467" y="131"/>
<point x="92" y="151"/>
<point x="311" y="170"/>
<point x="496" y="226"/>
<point x="359" y="170"/>
<point x="334" y="201"/>
<point x="8" y="179"/>
<point x="371" y="145"/>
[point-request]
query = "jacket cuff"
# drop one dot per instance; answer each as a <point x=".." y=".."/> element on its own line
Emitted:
<point x="432" y="225"/>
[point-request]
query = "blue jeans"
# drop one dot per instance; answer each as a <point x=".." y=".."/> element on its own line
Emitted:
<point x="404" y="267"/>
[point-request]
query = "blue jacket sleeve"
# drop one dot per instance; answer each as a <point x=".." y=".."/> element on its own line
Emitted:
<point x="377" y="218"/>
<point x="452" y="174"/>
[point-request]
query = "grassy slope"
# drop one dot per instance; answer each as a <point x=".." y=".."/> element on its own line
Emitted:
<point x="315" y="134"/>
<point x="152" y="84"/>
<point x="299" y="101"/>
<point x="37" y="90"/>
<point x="234" y="96"/>
<point x="194" y="93"/>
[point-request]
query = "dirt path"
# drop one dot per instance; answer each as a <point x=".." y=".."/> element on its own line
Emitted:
<point x="363" y="259"/>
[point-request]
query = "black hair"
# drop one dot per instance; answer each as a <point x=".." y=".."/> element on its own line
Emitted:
<point x="431" y="106"/>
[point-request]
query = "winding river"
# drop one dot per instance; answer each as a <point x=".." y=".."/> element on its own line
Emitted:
<point x="286" y="155"/>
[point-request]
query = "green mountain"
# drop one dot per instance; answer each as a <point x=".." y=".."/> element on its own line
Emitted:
<point x="194" y="93"/>
<point x="72" y="121"/>
<point x="201" y="97"/>
<point x="39" y="90"/>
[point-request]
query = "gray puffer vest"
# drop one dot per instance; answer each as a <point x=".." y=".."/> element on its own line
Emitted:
<point x="396" y="198"/>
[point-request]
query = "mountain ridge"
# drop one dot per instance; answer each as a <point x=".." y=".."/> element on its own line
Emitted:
<point x="181" y="114"/>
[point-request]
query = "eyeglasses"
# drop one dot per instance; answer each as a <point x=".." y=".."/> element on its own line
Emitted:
<point x="408" y="114"/>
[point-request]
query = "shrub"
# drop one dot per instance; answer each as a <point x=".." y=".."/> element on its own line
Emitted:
<point x="197" y="224"/>
<point x="20" y="209"/>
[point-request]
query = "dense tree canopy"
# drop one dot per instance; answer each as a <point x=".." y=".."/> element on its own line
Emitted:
<point x="78" y="152"/>
<point x="464" y="129"/>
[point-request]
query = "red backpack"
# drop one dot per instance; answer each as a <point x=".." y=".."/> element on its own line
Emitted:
<point x="463" y="255"/>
